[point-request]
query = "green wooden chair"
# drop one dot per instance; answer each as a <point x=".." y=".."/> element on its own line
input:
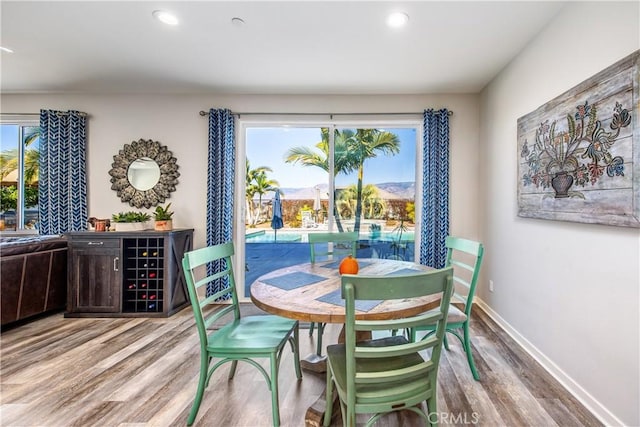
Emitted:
<point x="342" y="244"/>
<point x="243" y="338"/>
<point x="388" y="374"/>
<point x="465" y="256"/>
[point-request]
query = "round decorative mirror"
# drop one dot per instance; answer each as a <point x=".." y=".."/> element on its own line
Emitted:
<point x="144" y="173"/>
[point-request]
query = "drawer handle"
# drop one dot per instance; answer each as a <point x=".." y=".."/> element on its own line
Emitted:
<point x="115" y="264"/>
<point x="95" y="243"/>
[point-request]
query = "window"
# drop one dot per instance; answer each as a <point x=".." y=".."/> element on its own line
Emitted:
<point x="19" y="155"/>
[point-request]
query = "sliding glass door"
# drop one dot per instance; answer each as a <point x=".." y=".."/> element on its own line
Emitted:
<point x="375" y="189"/>
<point x="302" y="180"/>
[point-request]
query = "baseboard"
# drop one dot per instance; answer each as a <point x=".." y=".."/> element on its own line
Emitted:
<point x="594" y="406"/>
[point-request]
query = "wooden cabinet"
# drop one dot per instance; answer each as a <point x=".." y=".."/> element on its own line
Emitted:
<point x="128" y="274"/>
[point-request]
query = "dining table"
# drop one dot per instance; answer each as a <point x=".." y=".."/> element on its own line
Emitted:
<point x="311" y="292"/>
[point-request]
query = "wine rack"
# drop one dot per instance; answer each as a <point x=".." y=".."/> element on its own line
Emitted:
<point x="127" y="273"/>
<point x="143" y="275"/>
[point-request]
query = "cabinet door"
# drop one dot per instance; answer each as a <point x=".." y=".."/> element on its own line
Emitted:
<point x="96" y="280"/>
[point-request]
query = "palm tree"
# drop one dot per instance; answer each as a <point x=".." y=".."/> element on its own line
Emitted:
<point x="261" y="185"/>
<point x="346" y="201"/>
<point x="351" y="150"/>
<point x="9" y="164"/>
<point x="252" y="188"/>
<point x="366" y="144"/>
<point x="307" y="156"/>
<point x="373" y="205"/>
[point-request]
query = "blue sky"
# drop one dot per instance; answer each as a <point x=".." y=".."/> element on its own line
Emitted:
<point x="267" y="147"/>
<point x="8" y="137"/>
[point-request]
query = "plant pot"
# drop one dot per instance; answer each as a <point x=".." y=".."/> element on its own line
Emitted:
<point x="164" y="225"/>
<point x="129" y="226"/>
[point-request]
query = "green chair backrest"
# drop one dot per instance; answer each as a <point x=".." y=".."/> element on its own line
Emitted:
<point x="195" y="265"/>
<point x="356" y="287"/>
<point x="331" y="244"/>
<point x="465" y="256"/>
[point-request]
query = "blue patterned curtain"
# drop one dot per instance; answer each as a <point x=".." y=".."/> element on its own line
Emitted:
<point x="435" y="188"/>
<point x="220" y="183"/>
<point x="62" y="188"/>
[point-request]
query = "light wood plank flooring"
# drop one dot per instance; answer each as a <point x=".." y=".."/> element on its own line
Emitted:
<point x="143" y="372"/>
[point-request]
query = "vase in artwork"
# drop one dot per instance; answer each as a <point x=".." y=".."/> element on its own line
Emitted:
<point x="561" y="182"/>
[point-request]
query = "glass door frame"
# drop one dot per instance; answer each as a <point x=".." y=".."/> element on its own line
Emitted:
<point x="284" y="121"/>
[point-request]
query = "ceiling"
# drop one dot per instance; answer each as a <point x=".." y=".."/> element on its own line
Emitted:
<point x="292" y="47"/>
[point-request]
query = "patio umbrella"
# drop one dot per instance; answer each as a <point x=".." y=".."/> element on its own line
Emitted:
<point x="316" y="203"/>
<point x="276" y="219"/>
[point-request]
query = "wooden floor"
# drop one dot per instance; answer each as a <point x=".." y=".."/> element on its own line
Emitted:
<point x="143" y="372"/>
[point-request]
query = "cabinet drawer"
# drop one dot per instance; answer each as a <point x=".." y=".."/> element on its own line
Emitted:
<point x="95" y="243"/>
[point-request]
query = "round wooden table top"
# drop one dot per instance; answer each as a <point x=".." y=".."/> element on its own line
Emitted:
<point x="284" y="293"/>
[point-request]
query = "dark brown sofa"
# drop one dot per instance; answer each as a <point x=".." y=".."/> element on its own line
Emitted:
<point x="33" y="276"/>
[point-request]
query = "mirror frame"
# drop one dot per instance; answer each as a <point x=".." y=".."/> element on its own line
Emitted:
<point x="168" y="173"/>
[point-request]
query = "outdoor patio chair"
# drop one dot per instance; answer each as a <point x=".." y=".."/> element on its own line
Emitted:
<point x="465" y="256"/>
<point x="243" y="338"/>
<point x="388" y="374"/>
<point x="330" y="246"/>
<point x="307" y="220"/>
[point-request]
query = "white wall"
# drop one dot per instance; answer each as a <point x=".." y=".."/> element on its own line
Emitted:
<point x="173" y="120"/>
<point x="569" y="291"/>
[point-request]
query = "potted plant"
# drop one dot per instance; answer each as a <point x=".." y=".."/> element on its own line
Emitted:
<point x="163" y="219"/>
<point x="130" y="221"/>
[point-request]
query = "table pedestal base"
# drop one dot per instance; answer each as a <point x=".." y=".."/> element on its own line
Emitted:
<point x="314" y="416"/>
<point x="314" y="363"/>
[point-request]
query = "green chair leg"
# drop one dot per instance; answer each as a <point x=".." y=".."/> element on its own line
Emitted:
<point x="232" y="371"/>
<point x="432" y="412"/>
<point x="273" y="386"/>
<point x="202" y="381"/>
<point x="312" y="326"/>
<point x="329" y="399"/>
<point x="296" y="353"/>
<point x="467" y="349"/>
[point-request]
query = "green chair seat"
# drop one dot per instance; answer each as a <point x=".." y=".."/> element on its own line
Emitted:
<point x="251" y="334"/>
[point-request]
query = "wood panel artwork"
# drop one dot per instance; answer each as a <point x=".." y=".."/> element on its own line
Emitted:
<point x="579" y="154"/>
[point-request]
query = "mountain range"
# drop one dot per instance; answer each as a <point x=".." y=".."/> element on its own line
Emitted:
<point x="387" y="190"/>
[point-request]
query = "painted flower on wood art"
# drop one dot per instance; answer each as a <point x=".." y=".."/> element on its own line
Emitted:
<point x="578" y="155"/>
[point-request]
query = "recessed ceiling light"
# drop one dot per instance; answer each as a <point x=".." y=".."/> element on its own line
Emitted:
<point x="165" y="17"/>
<point x="6" y="49"/>
<point x="397" y="19"/>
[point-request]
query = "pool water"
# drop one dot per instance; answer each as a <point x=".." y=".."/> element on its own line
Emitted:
<point x="269" y="237"/>
<point x="263" y="236"/>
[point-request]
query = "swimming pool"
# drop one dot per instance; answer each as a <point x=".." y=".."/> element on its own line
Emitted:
<point x="264" y="236"/>
<point x="269" y="237"/>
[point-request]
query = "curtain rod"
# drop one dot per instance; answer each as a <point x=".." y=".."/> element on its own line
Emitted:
<point x="59" y="113"/>
<point x="206" y="113"/>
